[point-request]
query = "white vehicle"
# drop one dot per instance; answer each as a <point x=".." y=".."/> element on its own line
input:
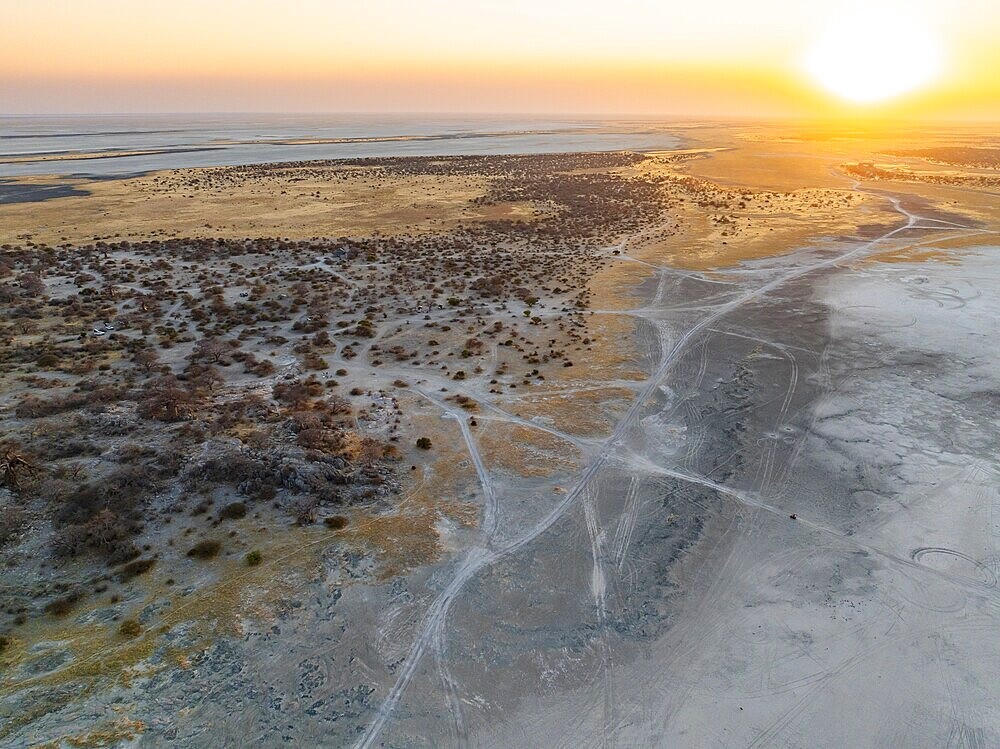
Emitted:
<point x="98" y="331"/>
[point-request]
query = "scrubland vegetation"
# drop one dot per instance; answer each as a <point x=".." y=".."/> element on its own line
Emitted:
<point x="161" y="397"/>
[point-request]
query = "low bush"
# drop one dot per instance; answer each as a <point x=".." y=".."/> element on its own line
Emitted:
<point x="63" y="605"/>
<point x="135" y="568"/>
<point x="336" y="522"/>
<point x="206" y="549"/>
<point x="130" y="628"/>
<point x="233" y="511"/>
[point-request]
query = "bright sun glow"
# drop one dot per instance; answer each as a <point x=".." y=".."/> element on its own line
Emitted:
<point x="876" y="54"/>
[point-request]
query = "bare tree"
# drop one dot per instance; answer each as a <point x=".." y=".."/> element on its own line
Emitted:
<point x="167" y="400"/>
<point x="212" y="349"/>
<point x="13" y="464"/>
<point x="146" y="359"/>
<point x="371" y="451"/>
<point x="32" y="283"/>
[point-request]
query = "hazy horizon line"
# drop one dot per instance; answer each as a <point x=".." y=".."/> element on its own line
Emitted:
<point x="854" y="118"/>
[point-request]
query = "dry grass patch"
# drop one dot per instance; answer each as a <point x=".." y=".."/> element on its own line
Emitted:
<point x="287" y="206"/>
<point x="526" y="452"/>
<point x="613" y="354"/>
<point x="588" y="413"/>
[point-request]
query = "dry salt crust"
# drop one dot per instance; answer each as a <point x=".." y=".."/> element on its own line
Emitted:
<point x="845" y="561"/>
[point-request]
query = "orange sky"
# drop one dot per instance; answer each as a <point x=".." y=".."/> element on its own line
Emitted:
<point x="719" y="57"/>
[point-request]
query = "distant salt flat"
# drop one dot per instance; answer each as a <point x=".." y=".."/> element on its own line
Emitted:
<point x="109" y="145"/>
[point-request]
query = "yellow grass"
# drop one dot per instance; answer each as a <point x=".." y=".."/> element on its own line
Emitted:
<point x="526" y="452"/>
<point x="588" y="413"/>
<point x="365" y="203"/>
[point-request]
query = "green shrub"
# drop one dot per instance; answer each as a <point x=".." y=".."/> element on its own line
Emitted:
<point x="424" y="443"/>
<point x="254" y="558"/>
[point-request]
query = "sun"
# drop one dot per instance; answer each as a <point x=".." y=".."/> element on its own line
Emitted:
<point x="871" y="55"/>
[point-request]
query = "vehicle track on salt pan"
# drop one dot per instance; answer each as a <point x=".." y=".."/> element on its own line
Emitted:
<point x="490" y="512"/>
<point x="478" y="558"/>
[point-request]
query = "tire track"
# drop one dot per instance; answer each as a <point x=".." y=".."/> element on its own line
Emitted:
<point x="599" y="590"/>
<point x="478" y="558"/>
